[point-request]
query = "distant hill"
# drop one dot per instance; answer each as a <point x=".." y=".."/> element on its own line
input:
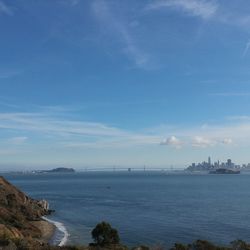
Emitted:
<point x="62" y="170"/>
<point x="57" y="170"/>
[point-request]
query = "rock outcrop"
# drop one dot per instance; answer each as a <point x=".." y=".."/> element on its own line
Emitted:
<point x="44" y="204"/>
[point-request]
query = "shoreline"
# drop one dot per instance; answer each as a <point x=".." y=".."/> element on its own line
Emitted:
<point x="61" y="228"/>
<point x="47" y="230"/>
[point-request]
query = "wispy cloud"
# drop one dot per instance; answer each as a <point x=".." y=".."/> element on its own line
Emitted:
<point x="231" y="94"/>
<point x="17" y="140"/>
<point x="47" y="124"/>
<point x="117" y="27"/>
<point x="130" y="141"/>
<point x="8" y="73"/>
<point x="7" y="104"/>
<point x="227" y="141"/>
<point x="202" y="142"/>
<point x="72" y="3"/>
<point x="5" y="9"/>
<point x="239" y="118"/>
<point x="196" y="141"/>
<point x="67" y="132"/>
<point x="75" y="133"/>
<point x="201" y="8"/>
<point x="75" y="2"/>
<point x="246" y="49"/>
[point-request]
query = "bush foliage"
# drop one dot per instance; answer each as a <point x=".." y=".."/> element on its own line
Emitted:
<point x="103" y="234"/>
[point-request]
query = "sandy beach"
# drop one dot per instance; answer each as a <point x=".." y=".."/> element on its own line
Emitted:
<point x="47" y="229"/>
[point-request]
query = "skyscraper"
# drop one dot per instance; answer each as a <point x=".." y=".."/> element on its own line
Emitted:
<point x="209" y="161"/>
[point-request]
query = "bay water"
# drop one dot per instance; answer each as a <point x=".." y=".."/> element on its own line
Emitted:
<point x="150" y="208"/>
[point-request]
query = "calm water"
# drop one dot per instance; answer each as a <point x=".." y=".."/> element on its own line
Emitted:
<point x="148" y="208"/>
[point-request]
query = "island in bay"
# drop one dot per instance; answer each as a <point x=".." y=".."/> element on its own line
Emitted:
<point x="62" y="170"/>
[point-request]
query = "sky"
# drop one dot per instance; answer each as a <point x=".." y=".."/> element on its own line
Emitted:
<point x="98" y="83"/>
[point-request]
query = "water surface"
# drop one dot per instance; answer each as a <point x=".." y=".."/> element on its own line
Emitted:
<point x="149" y="208"/>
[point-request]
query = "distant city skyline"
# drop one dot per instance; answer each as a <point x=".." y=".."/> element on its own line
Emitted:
<point x="210" y="165"/>
<point x="123" y="83"/>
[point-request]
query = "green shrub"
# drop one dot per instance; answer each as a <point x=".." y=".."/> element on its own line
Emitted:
<point x="103" y="234"/>
<point x="179" y="246"/>
<point x="240" y="245"/>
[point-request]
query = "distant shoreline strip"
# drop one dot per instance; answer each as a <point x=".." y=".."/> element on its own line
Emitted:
<point x="60" y="227"/>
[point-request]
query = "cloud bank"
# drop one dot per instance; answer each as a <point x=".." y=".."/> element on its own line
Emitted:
<point x="67" y="132"/>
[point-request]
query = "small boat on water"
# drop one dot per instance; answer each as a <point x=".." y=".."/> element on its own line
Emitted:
<point x="224" y="171"/>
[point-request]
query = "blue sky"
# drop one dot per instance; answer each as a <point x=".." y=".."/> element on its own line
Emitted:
<point x="125" y="83"/>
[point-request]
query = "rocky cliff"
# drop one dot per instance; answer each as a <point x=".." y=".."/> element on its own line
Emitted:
<point x="18" y="213"/>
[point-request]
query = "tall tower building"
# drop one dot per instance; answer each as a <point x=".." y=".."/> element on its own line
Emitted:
<point x="209" y="161"/>
<point x="229" y="163"/>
